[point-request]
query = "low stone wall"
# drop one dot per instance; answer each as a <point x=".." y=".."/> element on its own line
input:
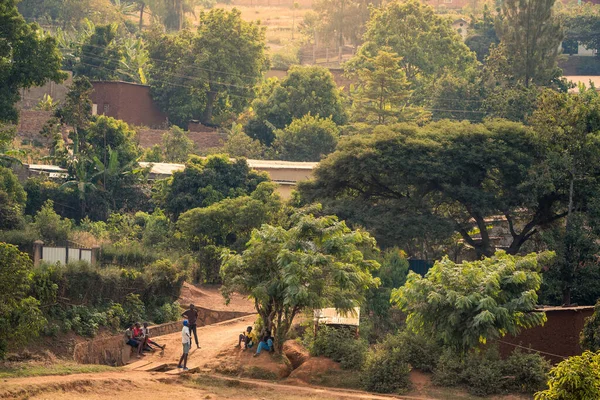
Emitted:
<point x="113" y="350"/>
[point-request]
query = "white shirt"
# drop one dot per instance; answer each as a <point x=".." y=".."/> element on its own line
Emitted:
<point x="185" y="335"/>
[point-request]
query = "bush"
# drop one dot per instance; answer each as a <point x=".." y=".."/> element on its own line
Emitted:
<point x="527" y="372"/>
<point x="130" y="254"/>
<point x="285" y="58"/>
<point x="134" y="307"/>
<point x="51" y="227"/>
<point x="341" y="346"/>
<point x="590" y="335"/>
<point x="420" y="351"/>
<point x="574" y="379"/>
<point x="23" y="239"/>
<point x="166" y="313"/>
<point x="386" y="368"/>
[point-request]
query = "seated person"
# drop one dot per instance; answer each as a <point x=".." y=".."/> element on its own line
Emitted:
<point x="129" y="337"/>
<point x="149" y="342"/>
<point x="248" y="337"/>
<point x="138" y="334"/>
<point x="265" y="344"/>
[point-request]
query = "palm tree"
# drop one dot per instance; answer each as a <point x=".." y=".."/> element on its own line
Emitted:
<point x="83" y="179"/>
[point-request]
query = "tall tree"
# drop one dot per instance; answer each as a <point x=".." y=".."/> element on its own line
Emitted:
<point x="210" y="73"/>
<point x="100" y="55"/>
<point x="27" y="58"/>
<point x="530" y="35"/>
<point x="307" y="139"/>
<point x="77" y="109"/>
<point x="318" y="262"/>
<point x="427" y="43"/>
<point x="304" y="90"/>
<point x="383" y="90"/>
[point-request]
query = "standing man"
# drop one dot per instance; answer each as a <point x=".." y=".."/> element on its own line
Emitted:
<point x="186" y="341"/>
<point x="191" y="315"/>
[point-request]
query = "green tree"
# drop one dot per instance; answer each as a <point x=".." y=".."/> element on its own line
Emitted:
<point x="209" y="73"/>
<point x="576" y="378"/>
<point x="427" y="43"/>
<point x="12" y="200"/>
<point x="239" y="144"/>
<point x="27" y="58"/>
<point x="341" y="19"/>
<point x="205" y="181"/>
<point x="77" y="109"/>
<point x="569" y="125"/>
<point x="100" y="55"/>
<point x="582" y="26"/>
<point x="482" y="34"/>
<point x="304" y="90"/>
<point x="383" y="91"/>
<point x="466" y="304"/>
<point x="20" y="317"/>
<point x="316" y="263"/>
<point x="590" y="335"/>
<point x="306" y="139"/>
<point x="442" y="178"/>
<point x="530" y="35"/>
<point x="177" y="145"/>
<point x="53" y="229"/>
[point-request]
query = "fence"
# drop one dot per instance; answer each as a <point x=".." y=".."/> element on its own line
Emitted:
<point x="63" y="254"/>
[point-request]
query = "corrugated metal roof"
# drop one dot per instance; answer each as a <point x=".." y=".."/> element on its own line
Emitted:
<point x="162" y="168"/>
<point x="276" y="164"/>
<point x="47" y="168"/>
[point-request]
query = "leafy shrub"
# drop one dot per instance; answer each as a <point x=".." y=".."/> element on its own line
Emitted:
<point x="340" y="345"/>
<point x="527" y="371"/>
<point x="50" y="226"/>
<point x="386" y="368"/>
<point x="129" y="254"/>
<point x="23" y="239"/>
<point x="576" y="378"/>
<point x="590" y="335"/>
<point x="166" y="313"/>
<point x="285" y="58"/>
<point x="134" y="308"/>
<point x="420" y="351"/>
<point x="163" y="282"/>
<point x="483" y="373"/>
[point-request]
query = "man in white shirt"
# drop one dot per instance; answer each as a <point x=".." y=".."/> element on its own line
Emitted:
<point x="186" y="340"/>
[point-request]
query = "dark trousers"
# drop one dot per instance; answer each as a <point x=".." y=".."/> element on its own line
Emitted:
<point x="194" y="332"/>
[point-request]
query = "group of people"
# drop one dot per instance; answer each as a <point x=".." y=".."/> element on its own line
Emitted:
<point x="249" y="339"/>
<point x="138" y="337"/>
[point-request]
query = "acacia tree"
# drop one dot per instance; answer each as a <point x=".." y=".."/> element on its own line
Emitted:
<point x="318" y="262"/>
<point x="442" y="178"/>
<point x="27" y="58"/>
<point x="466" y="304"/>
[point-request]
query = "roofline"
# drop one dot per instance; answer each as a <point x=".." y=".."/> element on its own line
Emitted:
<point x="127" y="83"/>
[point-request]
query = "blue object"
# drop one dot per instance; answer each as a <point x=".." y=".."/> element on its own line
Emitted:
<point x="264" y="346"/>
<point x="185" y="322"/>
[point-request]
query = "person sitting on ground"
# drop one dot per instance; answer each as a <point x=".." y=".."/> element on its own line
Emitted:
<point x="186" y="341"/>
<point x="265" y="344"/>
<point x="248" y="337"/>
<point x="129" y="337"/>
<point x="191" y="315"/>
<point x="138" y="334"/>
<point x="149" y="342"/>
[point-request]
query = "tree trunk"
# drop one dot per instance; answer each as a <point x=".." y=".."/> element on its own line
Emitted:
<point x="210" y="103"/>
<point x="568" y="247"/>
<point x="142" y="7"/>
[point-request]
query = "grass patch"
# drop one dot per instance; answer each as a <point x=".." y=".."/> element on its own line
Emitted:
<point x="338" y="379"/>
<point x="259" y="373"/>
<point x="24" y="370"/>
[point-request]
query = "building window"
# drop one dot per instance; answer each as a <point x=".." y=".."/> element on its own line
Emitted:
<point x="94" y="109"/>
<point x="106" y="109"/>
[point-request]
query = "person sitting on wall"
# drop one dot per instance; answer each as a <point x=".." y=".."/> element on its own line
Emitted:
<point x="138" y="334"/>
<point x="129" y="337"/>
<point x="265" y="344"/>
<point x="150" y="342"/>
<point x="248" y="337"/>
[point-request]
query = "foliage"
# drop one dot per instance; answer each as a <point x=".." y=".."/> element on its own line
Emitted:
<point x="53" y="229"/>
<point x="482" y="34"/>
<point x="531" y="36"/>
<point x="100" y="54"/>
<point x="285" y="58"/>
<point x="306" y="139"/>
<point x="239" y="144"/>
<point x="177" y="145"/>
<point x="20" y="317"/>
<point x="577" y="377"/>
<point x="439" y="179"/>
<point x="211" y="72"/>
<point x="315" y="263"/>
<point x="27" y="58"/>
<point x="383" y="91"/>
<point x="305" y="90"/>
<point x="336" y="20"/>
<point x="12" y="199"/>
<point x="207" y="181"/>
<point x="386" y="369"/>
<point x="590" y="335"/>
<point x="341" y="345"/>
<point x="427" y="43"/>
<point x="582" y="25"/>
<point x="466" y="304"/>
<point x="77" y="108"/>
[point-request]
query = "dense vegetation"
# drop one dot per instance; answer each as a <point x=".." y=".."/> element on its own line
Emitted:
<point x="470" y="153"/>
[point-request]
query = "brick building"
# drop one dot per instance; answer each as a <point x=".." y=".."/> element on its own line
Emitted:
<point x="128" y="102"/>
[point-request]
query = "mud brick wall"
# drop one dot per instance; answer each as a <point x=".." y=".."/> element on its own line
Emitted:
<point x="31" y="123"/>
<point x="558" y="336"/>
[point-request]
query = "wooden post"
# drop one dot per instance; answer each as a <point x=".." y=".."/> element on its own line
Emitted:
<point x="38" y="249"/>
<point x="327" y="54"/>
<point x="95" y="255"/>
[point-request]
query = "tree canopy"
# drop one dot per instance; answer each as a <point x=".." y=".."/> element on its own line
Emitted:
<point x="27" y="58"/>
<point x="304" y="90"/>
<point x="307" y="139"/>
<point x="318" y="262"/>
<point x="466" y="304"/>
